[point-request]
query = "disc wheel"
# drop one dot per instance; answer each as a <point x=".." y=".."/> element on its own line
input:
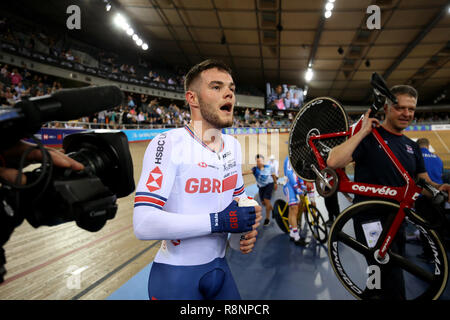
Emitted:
<point x="404" y="273"/>
<point x="317" y="224"/>
<point x="318" y="116"/>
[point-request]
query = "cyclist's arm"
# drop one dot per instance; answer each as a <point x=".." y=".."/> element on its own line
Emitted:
<point x="341" y="155"/>
<point x="150" y="221"/>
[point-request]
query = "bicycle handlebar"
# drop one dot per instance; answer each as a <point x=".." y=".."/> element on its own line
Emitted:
<point x="438" y="197"/>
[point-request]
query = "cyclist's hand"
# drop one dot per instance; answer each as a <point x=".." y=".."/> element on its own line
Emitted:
<point x="258" y="212"/>
<point x="446" y="188"/>
<point x="275" y="186"/>
<point x="233" y="219"/>
<point x="368" y="124"/>
<point x="246" y="246"/>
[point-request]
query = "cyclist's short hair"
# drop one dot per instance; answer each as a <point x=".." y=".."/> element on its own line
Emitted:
<point x="259" y="156"/>
<point x="195" y="71"/>
<point x="423" y="142"/>
<point x="405" y="89"/>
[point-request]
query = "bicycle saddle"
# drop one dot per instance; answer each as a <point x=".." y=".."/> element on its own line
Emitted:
<point x="379" y="84"/>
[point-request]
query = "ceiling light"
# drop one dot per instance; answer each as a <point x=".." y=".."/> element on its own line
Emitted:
<point x="119" y="20"/>
<point x="144" y="46"/>
<point x="135" y="37"/>
<point x="331" y="1"/>
<point x="130" y="31"/>
<point x="108" y="6"/>
<point x="309" y="74"/>
<point x="139" y="42"/>
<point x="327" y="14"/>
<point x="329" y="6"/>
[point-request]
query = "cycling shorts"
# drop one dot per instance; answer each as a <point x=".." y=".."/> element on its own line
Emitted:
<point x="290" y="194"/>
<point x="210" y="281"/>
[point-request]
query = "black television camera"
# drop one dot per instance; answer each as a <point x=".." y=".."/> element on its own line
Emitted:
<point x="54" y="195"/>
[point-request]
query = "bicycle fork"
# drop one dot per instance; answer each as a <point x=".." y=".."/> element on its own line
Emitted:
<point x="388" y="236"/>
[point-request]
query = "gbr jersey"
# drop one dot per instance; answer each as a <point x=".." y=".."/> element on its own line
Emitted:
<point x="182" y="182"/>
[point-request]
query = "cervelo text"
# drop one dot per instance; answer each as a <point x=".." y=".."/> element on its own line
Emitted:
<point x="380" y="191"/>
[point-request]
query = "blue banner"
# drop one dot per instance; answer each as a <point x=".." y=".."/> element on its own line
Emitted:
<point x="55" y="136"/>
<point x="143" y="134"/>
<point x="425" y="127"/>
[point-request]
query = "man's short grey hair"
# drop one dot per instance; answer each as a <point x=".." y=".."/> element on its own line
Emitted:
<point x="403" y="89"/>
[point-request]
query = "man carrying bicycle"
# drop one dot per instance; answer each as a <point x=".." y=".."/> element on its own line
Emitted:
<point x="294" y="186"/>
<point x="373" y="166"/>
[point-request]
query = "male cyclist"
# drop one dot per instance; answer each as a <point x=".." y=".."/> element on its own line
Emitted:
<point x="184" y="197"/>
<point x="294" y="186"/>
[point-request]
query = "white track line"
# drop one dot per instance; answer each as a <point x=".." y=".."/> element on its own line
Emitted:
<point x="442" y="141"/>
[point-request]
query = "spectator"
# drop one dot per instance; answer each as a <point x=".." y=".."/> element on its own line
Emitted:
<point x="102" y="117"/>
<point x="20" y="89"/>
<point x="4" y="71"/>
<point x="15" y="77"/>
<point x="275" y="100"/>
<point x="69" y="56"/>
<point x="131" y="103"/>
<point x="140" y="118"/>
<point x="297" y="101"/>
<point x="287" y="100"/>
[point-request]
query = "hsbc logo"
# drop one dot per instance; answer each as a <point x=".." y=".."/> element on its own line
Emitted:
<point x="155" y="179"/>
<point x="160" y="148"/>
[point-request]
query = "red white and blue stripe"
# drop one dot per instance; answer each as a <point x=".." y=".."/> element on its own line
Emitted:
<point x="193" y="135"/>
<point x="149" y="199"/>
<point x="238" y="191"/>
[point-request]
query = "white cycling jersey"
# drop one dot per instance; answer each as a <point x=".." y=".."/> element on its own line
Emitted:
<point x="182" y="182"/>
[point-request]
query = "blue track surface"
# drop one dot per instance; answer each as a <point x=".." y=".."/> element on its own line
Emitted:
<point x="277" y="269"/>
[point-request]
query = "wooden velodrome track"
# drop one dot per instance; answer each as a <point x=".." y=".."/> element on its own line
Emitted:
<point x="66" y="262"/>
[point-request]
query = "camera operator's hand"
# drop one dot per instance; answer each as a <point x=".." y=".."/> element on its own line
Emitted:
<point x="12" y="155"/>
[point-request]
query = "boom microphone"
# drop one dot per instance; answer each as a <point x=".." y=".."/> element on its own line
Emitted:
<point x="28" y="115"/>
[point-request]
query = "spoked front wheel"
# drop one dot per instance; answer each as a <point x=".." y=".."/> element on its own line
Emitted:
<point x="415" y="266"/>
<point x="280" y="212"/>
<point x="317" y="224"/>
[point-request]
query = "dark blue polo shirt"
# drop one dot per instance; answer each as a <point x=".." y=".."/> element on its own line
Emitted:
<point x="372" y="165"/>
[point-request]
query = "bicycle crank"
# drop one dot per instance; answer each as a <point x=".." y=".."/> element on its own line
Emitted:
<point x="327" y="181"/>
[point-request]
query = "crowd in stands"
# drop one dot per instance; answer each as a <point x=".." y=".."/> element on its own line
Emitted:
<point x="58" y="48"/>
<point x="141" y="110"/>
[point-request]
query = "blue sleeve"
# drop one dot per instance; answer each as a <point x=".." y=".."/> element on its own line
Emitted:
<point x="289" y="173"/>
<point x="420" y="165"/>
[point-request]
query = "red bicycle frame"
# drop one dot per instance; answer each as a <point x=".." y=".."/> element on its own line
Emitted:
<point x="405" y="195"/>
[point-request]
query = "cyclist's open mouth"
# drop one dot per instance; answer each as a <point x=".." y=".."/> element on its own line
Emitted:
<point x="228" y="108"/>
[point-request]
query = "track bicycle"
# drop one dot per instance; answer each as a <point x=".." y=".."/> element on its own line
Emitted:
<point x="314" y="218"/>
<point x="366" y="245"/>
